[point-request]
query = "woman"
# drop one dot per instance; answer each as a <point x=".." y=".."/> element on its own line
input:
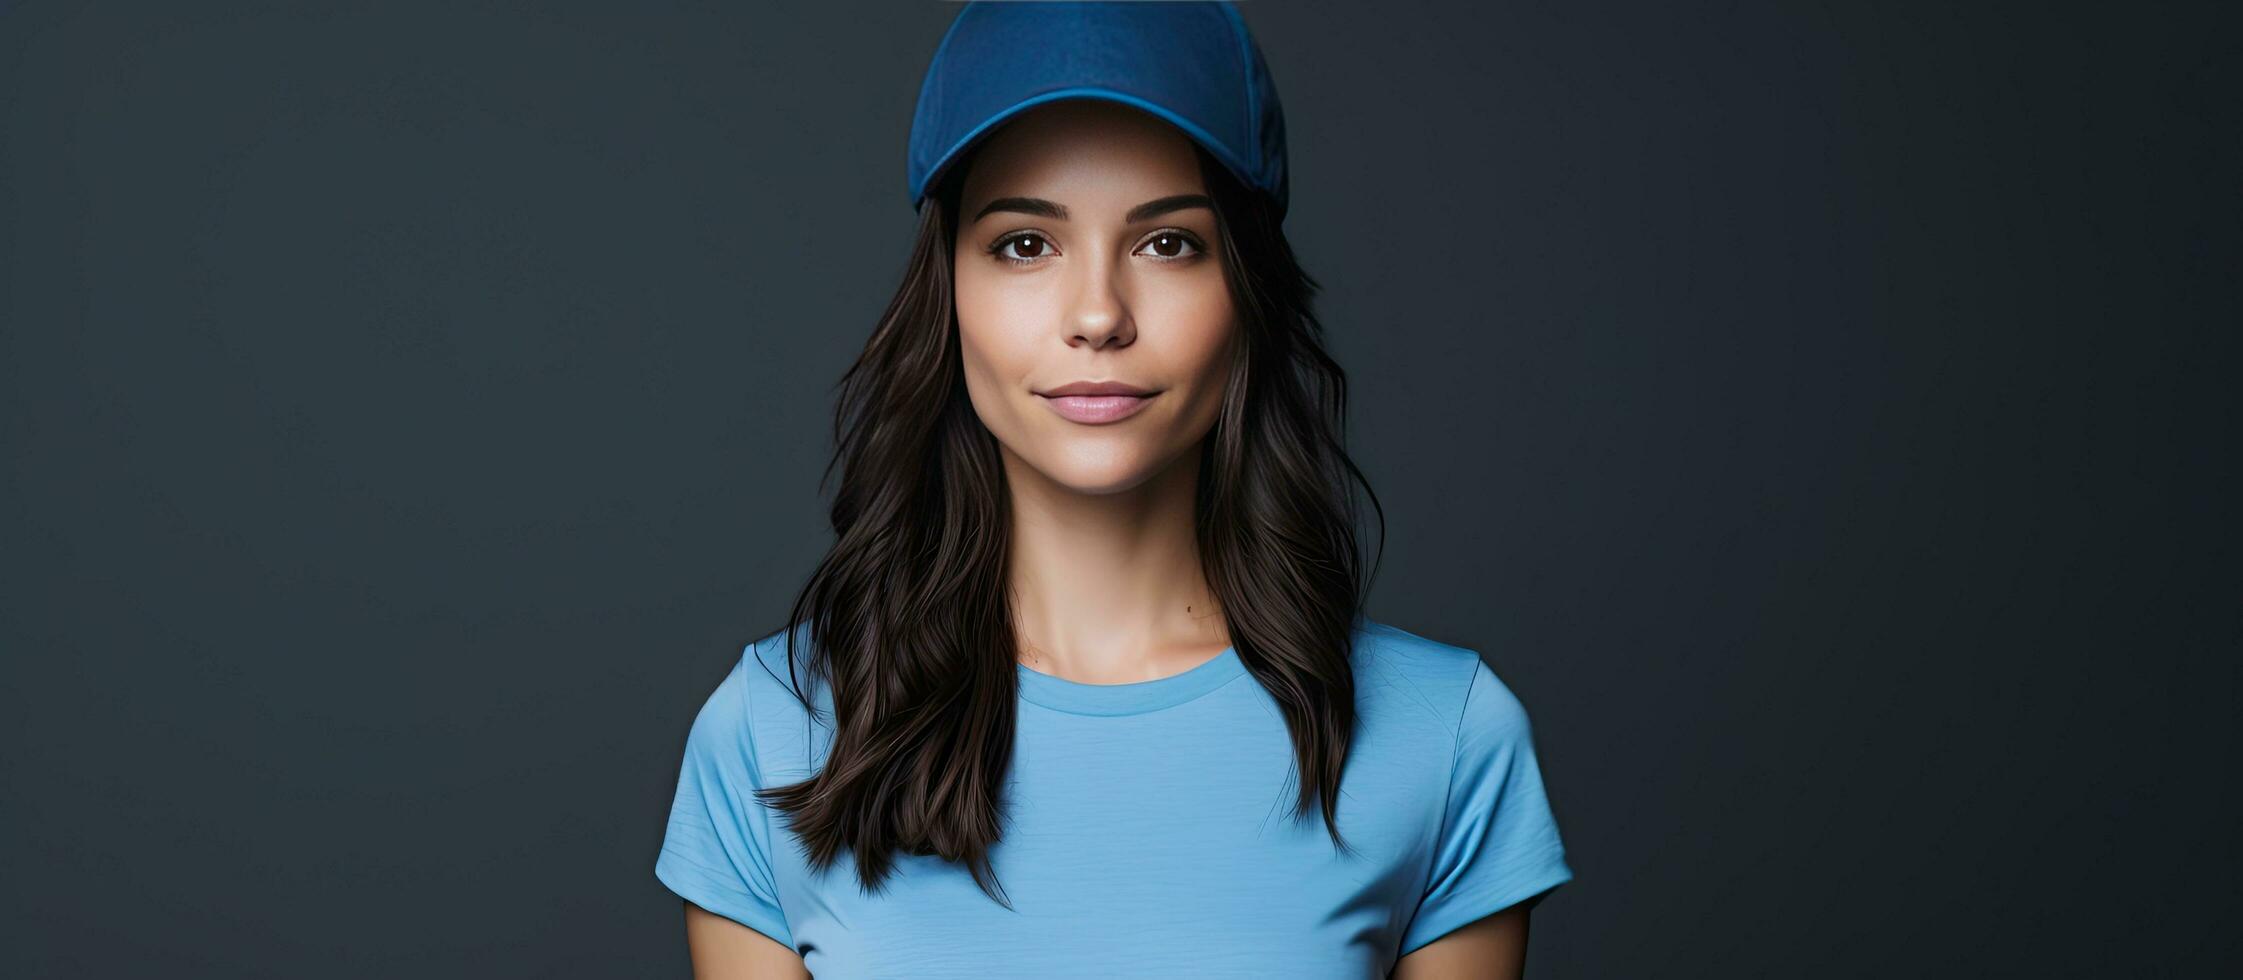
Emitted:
<point x="1083" y="687"/>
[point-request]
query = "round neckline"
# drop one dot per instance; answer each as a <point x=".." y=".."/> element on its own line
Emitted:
<point x="1133" y="698"/>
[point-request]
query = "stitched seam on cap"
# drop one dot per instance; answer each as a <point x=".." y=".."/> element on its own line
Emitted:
<point x="1252" y="136"/>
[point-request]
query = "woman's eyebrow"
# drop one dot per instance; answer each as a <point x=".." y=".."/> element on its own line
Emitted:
<point x="1053" y="209"/>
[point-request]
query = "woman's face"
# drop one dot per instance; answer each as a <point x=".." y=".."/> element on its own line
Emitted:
<point x="1086" y="253"/>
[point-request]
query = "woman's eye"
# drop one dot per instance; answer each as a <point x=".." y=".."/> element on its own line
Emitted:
<point x="1171" y="245"/>
<point x="1025" y="252"/>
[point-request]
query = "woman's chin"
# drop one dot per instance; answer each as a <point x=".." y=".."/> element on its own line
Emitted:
<point x="1097" y="473"/>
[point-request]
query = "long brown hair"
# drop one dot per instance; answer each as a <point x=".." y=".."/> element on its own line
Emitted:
<point x="909" y="613"/>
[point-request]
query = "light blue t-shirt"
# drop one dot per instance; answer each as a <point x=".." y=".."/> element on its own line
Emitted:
<point x="1148" y="830"/>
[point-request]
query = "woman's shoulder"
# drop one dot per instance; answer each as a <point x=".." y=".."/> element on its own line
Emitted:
<point x="770" y="669"/>
<point x="757" y="700"/>
<point x="1418" y="673"/>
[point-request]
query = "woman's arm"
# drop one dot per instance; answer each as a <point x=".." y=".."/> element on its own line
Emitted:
<point x="726" y="950"/>
<point x="1493" y="948"/>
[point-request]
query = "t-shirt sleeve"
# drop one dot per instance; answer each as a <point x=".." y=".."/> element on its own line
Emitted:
<point x="1498" y="844"/>
<point x="717" y="850"/>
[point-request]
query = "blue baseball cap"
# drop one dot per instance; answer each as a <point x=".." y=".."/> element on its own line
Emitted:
<point x="1192" y="64"/>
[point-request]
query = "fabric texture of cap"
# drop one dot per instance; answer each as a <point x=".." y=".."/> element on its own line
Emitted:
<point x="1193" y="64"/>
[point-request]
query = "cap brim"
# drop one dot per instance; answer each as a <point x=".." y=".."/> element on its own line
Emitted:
<point x="1213" y="146"/>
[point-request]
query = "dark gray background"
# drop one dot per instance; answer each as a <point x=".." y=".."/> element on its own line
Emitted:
<point x="1816" y="413"/>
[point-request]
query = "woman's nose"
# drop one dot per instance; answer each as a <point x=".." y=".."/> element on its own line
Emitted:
<point x="1100" y="315"/>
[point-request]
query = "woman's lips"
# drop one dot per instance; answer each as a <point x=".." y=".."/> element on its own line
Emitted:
<point x="1096" y="409"/>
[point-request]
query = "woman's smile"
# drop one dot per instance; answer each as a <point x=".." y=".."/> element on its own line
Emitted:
<point x="1096" y="409"/>
<point x="1096" y="402"/>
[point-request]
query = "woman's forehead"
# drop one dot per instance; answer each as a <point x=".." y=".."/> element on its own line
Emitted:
<point x="1090" y="150"/>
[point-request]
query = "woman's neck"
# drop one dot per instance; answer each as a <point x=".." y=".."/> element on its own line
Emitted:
<point x="1107" y="587"/>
